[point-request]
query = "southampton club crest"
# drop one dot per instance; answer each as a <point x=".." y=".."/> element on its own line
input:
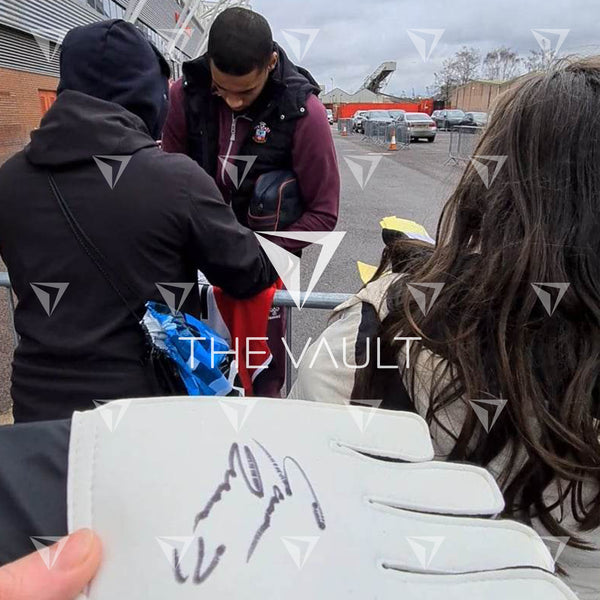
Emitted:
<point x="260" y="133"/>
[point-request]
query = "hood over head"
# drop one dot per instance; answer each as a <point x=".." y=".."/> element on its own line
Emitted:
<point x="113" y="61"/>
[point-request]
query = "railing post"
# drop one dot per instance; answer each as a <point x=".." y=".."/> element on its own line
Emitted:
<point x="11" y="302"/>
<point x="288" y="358"/>
<point x="282" y="298"/>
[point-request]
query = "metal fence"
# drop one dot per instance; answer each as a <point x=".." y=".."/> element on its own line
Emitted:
<point x="345" y="126"/>
<point x="315" y="301"/>
<point x="383" y="133"/>
<point x="463" y="141"/>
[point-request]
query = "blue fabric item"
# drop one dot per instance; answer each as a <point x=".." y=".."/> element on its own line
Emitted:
<point x="113" y="61"/>
<point x="205" y="378"/>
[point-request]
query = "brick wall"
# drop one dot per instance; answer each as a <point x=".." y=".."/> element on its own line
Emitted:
<point x="20" y="107"/>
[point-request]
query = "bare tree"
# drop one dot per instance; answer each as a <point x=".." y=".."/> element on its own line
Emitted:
<point x="457" y="70"/>
<point x="501" y="64"/>
<point x="466" y="64"/>
<point x="539" y="60"/>
<point x="445" y="80"/>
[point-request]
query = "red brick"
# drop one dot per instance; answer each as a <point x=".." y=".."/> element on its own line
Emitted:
<point x="20" y="107"/>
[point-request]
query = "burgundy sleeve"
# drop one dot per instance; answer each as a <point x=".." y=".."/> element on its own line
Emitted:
<point x="174" y="137"/>
<point x="315" y="164"/>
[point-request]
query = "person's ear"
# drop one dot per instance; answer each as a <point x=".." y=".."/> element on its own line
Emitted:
<point x="273" y="61"/>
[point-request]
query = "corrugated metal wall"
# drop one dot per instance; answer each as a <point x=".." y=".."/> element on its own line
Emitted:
<point x="19" y="50"/>
<point x="21" y="20"/>
<point x="160" y="14"/>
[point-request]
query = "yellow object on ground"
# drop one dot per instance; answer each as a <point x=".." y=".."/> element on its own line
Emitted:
<point x="366" y="271"/>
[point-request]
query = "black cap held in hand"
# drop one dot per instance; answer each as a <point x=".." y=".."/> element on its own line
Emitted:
<point x="113" y="61"/>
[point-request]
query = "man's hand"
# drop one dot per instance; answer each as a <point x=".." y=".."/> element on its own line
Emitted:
<point x="64" y="578"/>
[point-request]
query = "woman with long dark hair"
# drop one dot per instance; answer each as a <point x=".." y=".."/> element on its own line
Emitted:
<point x="507" y="308"/>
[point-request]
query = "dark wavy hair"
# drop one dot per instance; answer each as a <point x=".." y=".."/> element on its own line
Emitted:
<point x="537" y="222"/>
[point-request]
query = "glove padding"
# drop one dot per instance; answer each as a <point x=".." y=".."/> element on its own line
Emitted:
<point x="260" y="498"/>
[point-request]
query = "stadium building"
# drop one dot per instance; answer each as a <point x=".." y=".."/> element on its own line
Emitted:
<point x="31" y="34"/>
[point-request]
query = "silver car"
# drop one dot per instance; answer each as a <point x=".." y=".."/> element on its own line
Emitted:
<point x="418" y="126"/>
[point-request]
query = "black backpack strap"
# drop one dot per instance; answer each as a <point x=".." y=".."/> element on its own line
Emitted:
<point x="94" y="253"/>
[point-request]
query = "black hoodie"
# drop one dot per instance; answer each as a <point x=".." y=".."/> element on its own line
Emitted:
<point x="112" y="60"/>
<point x="161" y="221"/>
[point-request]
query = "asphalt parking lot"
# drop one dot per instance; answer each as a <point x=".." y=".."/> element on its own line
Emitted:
<point x="410" y="183"/>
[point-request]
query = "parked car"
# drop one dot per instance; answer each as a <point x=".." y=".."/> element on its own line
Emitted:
<point x="330" y="116"/>
<point x="376" y="121"/>
<point x="418" y="125"/>
<point x="382" y="116"/>
<point x="357" y="120"/>
<point x="448" y="118"/>
<point x="476" y="119"/>
<point x="396" y="113"/>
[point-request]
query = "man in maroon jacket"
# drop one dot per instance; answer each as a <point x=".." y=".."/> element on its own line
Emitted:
<point x="245" y="105"/>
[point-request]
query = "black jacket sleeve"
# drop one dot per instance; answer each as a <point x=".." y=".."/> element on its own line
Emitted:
<point x="225" y="251"/>
<point x="33" y="485"/>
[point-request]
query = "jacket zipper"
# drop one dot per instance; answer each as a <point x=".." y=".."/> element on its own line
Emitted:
<point x="231" y="140"/>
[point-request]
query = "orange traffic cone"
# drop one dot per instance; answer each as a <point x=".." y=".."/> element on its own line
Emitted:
<point x="393" y="145"/>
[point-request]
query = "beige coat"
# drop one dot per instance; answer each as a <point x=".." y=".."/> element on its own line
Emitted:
<point x="326" y="373"/>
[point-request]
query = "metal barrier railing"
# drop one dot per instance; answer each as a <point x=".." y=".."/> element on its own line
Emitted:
<point x="5" y="283"/>
<point x="346" y="126"/>
<point x="382" y="133"/>
<point x="282" y="298"/>
<point x="463" y="141"/>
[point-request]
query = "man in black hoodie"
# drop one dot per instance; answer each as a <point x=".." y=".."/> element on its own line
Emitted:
<point x="155" y="217"/>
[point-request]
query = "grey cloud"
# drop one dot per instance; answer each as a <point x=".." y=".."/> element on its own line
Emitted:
<point x="355" y="37"/>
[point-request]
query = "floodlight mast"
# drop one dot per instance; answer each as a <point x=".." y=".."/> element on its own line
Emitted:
<point x="204" y="12"/>
<point x="134" y="10"/>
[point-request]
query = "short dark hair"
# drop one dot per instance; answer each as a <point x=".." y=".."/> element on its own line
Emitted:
<point x="240" y="41"/>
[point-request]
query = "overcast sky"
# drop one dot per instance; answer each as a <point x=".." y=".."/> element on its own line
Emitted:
<point x="355" y="36"/>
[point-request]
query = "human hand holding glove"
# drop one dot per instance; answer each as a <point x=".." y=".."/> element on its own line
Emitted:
<point x="258" y="498"/>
